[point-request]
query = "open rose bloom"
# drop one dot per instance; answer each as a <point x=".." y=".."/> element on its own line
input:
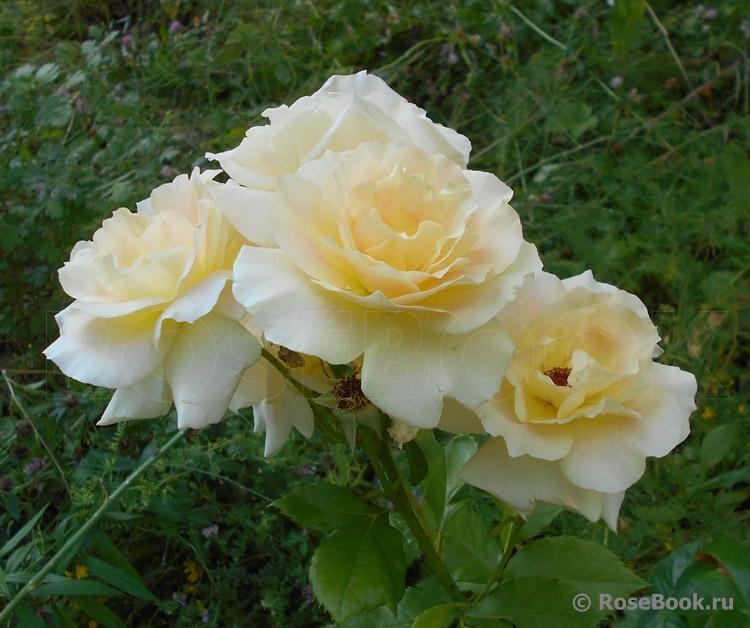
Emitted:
<point x="351" y="232"/>
<point x="154" y="315"/>
<point x="582" y="404"/>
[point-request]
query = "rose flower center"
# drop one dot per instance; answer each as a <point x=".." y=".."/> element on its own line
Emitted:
<point x="559" y="375"/>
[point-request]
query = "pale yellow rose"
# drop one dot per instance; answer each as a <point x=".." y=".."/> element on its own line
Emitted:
<point x="154" y="315"/>
<point x="399" y="256"/>
<point x="583" y="404"/>
<point x="346" y="112"/>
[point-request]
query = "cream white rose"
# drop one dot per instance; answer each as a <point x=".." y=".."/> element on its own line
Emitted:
<point x="583" y="404"/>
<point x="154" y="315"/>
<point x="399" y="256"/>
<point x="341" y="115"/>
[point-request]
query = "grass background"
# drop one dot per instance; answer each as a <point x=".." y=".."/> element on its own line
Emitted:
<point x="624" y="131"/>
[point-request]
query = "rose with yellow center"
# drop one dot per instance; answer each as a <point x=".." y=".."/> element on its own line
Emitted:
<point x="583" y="404"/>
<point x="401" y="257"/>
<point x="154" y="315"/>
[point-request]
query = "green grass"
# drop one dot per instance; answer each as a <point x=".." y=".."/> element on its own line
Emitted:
<point x="624" y="132"/>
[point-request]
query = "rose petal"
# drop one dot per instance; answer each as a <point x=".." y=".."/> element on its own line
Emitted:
<point x="545" y="441"/>
<point x="525" y="481"/>
<point x="407" y="369"/>
<point x="146" y="399"/>
<point x="273" y="288"/>
<point x="606" y="455"/>
<point x="111" y="352"/>
<point x="277" y="419"/>
<point x="204" y="367"/>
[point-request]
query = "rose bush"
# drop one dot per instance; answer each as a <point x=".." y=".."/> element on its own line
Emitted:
<point x="583" y="404"/>
<point x="399" y="256"/>
<point x="154" y="315"/>
<point x="345" y="112"/>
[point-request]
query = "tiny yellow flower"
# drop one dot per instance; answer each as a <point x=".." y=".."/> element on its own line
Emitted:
<point x="93" y="623"/>
<point x="192" y="570"/>
<point x="708" y="414"/>
<point x="81" y="572"/>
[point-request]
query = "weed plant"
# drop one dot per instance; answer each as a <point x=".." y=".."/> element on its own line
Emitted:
<point x="623" y="128"/>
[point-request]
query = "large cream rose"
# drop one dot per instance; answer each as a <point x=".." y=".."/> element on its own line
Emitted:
<point x="341" y="115"/>
<point x="154" y="315"/>
<point x="399" y="256"/>
<point x="583" y="404"/>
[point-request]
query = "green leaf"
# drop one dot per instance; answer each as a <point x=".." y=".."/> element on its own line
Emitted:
<point x="457" y="454"/>
<point x="470" y="552"/>
<point x="54" y="111"/>
<point x="59" y="585"/>
<point x="111" y="554"/>
<point x="417" y="463"/>
<point x="625" y="23"/>
<point x="536" y="602"/>
<point x="444" y="463"/>
<point x="689" y="572"/>
<point x="62" y="618"/>
<point x="485" y="622"/>
<point x="118" y="578"/>
<point x="412" y="605"/>
<point x="588" y="567"/>
<point x="47" y="72"/>
<point x="735" y="164"/>
<point x="716" y="445"/>
<point x="735" y="558"/>
<point x="574" y="118"/>
<point x="11" y="500"/>
<point x="359" y="568"/>
<point x="28" y="618"/>
<point x="434" y="484"/>
<point x="4" y="590"/>
<point x="27" y="527"/>
<point x="96" y="610"/>
<point x="540" y="518"/>
<point x="436" y="617"/>
<point x="325" y="506"/>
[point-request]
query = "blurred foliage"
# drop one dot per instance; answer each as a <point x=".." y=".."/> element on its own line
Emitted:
<point x="624" y="132"/>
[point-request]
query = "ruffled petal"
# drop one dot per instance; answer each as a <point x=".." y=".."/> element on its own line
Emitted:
<point x="204" y="367"/>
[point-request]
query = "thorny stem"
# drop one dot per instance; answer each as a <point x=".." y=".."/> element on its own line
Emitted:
<point x="397" y="491"/>
<point x="90" y="523"/>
